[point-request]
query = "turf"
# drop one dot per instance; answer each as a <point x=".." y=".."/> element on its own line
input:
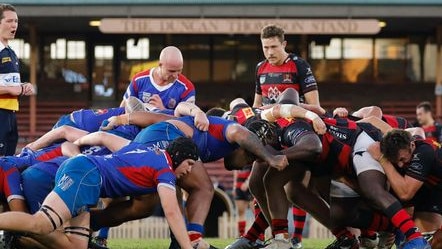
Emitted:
<point x="219" y="243"/>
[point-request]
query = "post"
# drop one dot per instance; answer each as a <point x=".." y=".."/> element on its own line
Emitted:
<point x="33" y="79"/>
<point x="438" y="86"/>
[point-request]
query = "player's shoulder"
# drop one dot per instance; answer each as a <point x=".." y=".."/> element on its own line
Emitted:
<point x="185" y="81"/>
<point x="141" y="75"/>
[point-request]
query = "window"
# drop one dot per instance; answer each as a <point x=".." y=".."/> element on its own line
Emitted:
<point x="358" y="48"/>
<point x="63" y="49"/>
<point x="138" y="48"/>
<point x="104" y="52"/>
<point x="21" y="48"/>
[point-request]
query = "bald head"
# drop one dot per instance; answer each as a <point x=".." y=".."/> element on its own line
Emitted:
<point x="171" y="56"/>
<point x="170" y="66"/>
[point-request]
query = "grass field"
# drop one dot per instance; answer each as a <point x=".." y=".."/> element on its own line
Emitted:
<point x="219" y="243"/>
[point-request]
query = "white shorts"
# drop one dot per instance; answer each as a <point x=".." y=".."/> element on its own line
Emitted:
<point x="341" y="190"/>
<point x="362" y="160"/>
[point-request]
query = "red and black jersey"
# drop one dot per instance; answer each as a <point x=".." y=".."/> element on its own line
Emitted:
<point x="434" y="132"/>
<point x="242" y="176"/>
<point x="396" y="121"/>
<point x="426" y="163"/>
<point x="337" y="144"/>
<point x="272" y="80"/>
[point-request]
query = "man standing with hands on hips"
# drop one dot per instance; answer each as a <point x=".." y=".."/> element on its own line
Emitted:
<point x="11" y="87"/>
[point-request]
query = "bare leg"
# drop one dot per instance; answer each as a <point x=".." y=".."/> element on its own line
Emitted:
<point x="200" y="189"/>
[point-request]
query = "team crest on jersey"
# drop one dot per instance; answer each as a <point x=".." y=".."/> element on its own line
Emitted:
<point x="146" y="97"/>
<point x="171" y="104"/>
<point x="287" y="78"/>
<point x="6" y="59"/>
<point x="100" y="111"/>
<point x="262" y="78"/>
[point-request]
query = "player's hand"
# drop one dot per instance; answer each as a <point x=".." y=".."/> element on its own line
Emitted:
<point x="156" y="101"/>
<point x="340" y="112"/>
<point x="201" y="122"/>
<point x="279" y="162"/>
<point x="28" y="89"/>
<point x="109" y="124"/>
<point x="375" y="150"/>
<point x="319" y="126"/>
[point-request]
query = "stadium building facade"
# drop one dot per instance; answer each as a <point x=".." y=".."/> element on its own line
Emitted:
<point x="88" y="50"/>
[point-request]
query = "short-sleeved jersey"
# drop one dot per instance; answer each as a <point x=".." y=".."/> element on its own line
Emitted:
<point x="90" y="119"/>
<point x="10" y="183"/>
<point x="292" y="130"/>
<point x="212" y="144"/>
<point x="134" y="170"/>
<point x="272" y="80"/>
<point x="143" y="87"/>
<point x="426" y="164"/>
<point x="9" y="76"/>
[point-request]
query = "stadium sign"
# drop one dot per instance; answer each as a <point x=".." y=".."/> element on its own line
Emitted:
<point x="236" y="26"/>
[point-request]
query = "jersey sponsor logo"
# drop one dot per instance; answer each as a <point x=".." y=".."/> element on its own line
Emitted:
<point x="310" y="79"/>
<point x="262" y="79"/>
<point x="172" y="103"/>
<point x="309" y="71"/>
<point x="6" y="59"/>
<point x="287" y="78"/>
<point x="9" y="79"/>
<point x="416" y="167"/>
<point x="65" y="182"/>
<point x="338" y="134"/>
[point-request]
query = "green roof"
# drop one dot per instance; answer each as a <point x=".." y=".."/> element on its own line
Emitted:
<point x="225" y="2"/>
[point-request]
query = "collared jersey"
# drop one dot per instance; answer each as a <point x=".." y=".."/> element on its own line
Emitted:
<point x="134" y="170"/>
<point x="272" y="80"/>
<point x="9" y="76"/>
<point x="143" y="87"/>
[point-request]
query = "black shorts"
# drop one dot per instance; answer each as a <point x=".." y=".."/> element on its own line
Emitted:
<point x="428" y="199"/>
<point x="8" y="132"/>
<point x="295" y="131"/>
<point x="243" y="195"/>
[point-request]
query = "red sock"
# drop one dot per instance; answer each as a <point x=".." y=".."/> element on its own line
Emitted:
<point x="299" y="216"/>
<point x="241" y="227"/>
<point x="403" y="221"/>
<point x="256" y="212"/>
<point x="279" y="226"/>
<point x="257" y="229"/>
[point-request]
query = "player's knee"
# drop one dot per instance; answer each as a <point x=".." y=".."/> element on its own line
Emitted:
<point x="39" y="224"/>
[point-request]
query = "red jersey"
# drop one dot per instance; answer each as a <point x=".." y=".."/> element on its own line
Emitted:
<point x="272" y="80"/>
